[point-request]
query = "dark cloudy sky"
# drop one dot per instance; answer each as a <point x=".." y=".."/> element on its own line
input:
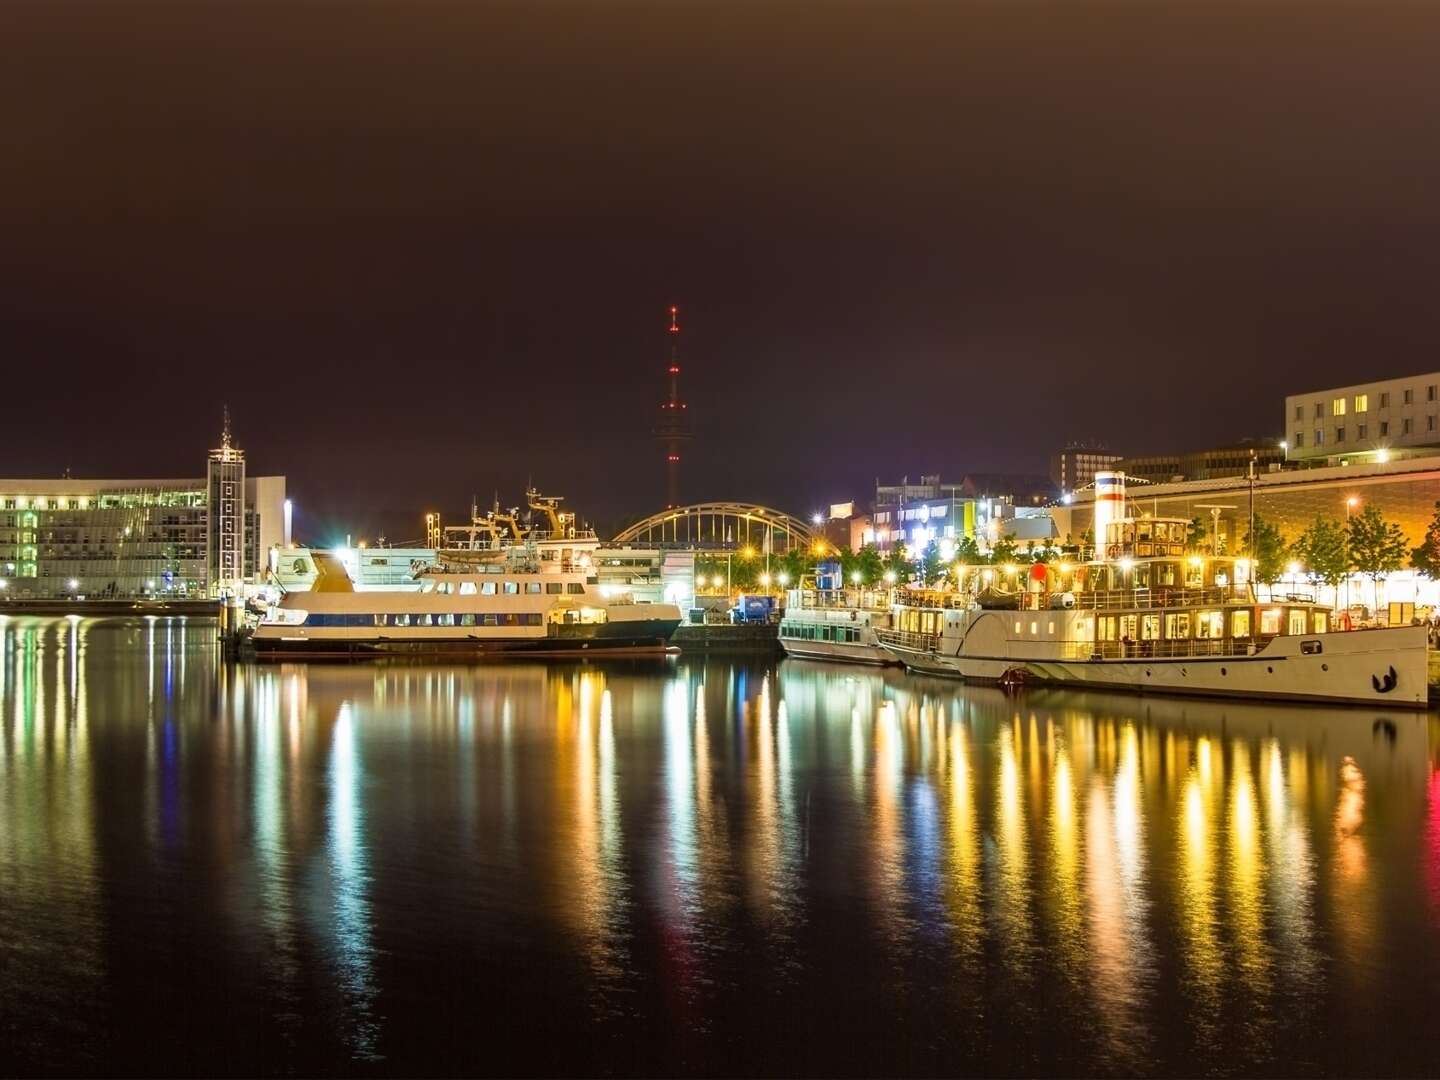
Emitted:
<point x="424" y="250"/>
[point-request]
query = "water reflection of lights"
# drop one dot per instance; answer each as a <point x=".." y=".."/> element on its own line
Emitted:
<point x="1012" y="893"/>
<point x="1200" y="946"/>
<point x="1247" y="897"/>
<point x="351" y="880"/>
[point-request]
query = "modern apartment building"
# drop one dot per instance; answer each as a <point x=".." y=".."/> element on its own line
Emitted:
<point x="1366" y="421"/>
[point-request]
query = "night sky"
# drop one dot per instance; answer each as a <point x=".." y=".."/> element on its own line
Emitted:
<point x="425" y="251"/>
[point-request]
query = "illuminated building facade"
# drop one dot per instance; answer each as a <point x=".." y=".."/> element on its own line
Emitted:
<point x="119" y="539"/>
<point x="1364" y="422"/>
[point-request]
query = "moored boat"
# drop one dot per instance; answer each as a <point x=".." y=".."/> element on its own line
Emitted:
<point x="1151" y="617"/>
<point x="518" y="603"/>
<point x="836" y="624"/>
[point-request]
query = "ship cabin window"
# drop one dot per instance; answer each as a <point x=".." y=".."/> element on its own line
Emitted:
<point x="467" y="588"/>
<point x="400" y="620"/>
<point x="1240" y="624"/>
<point x="443" y="589"/>
<point x="511" y="588"/>
<point x="532" y="587"/>
<point x="424" y="620"/>
<point x="445" y="620"/>
<point x="427" y="586"/>
<point x="1297" y="621"/>
<point x="487" y="588"/>
<point x="552" y="588"/>
<point x="573" y="587"/>
<point x="1177" y="625"/>
<point x="379" y="620"/>
<point x="1195" y="572"/>
<point x="1322" y="622"/>
<point x="1017" y="626"/>
<point x="1149" y="627"/>
<point x="1270" y="621"/>
<point x="1128" y="626"/>
<point x="1210" y="624"/>
<point x="1164" y="574"/>
<point x="492" y="620"/>
<point x="467" y="619"/>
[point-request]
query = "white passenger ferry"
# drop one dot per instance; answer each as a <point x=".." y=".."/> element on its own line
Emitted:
<point x="478" y="602"/>
<point x="837" y="624"/>
<point x="1153" y="618"/>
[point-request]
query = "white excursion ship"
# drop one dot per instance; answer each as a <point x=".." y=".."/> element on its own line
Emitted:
<point x="533" y="599"/>
<point x="1152" y="618"/>
<point x="837" y="624"/>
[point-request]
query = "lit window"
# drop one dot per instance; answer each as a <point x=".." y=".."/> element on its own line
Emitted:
<point x="1362" y="402"/>
<point x="1017" y="626"/>
<point x="1270" y="620"/>
<point x="467" y="588"/>
<point x="487" y="588"/>
<point x="1240" y="624"/>
<point x="1337" y="407"/>
<point x="511" y="588"/>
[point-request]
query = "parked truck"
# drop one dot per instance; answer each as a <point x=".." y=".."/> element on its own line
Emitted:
<point x="753" y="609"/>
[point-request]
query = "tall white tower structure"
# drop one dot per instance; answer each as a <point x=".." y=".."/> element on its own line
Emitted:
<point x="225" y="485"/>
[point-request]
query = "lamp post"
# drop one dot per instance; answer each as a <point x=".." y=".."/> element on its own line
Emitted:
<point x="1350" y="503"/>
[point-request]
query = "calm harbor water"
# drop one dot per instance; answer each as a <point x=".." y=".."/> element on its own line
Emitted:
<point x="700" y="867"/>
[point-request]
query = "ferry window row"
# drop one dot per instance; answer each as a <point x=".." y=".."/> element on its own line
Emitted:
<point x="521" y="618"/>
<point x="811" y="632"/>
<point x="1210" y="624"/>
<point x="502" y="588"/>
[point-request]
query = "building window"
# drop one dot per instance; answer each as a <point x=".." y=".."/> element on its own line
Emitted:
<point x="1339" y="434"/>
<point x="1405" y="426"/>
<point x="1319" y="437"/>
<point x="1430" y="422"/>
<point x="1385" y="400"/>
<point x="1299" y="412"/>
<point x="1360" y="430"/>
<point x="1337" y="407"/>
<point x="1362" y="402"/>
<point x="1384" y="428"/>
<point x="1319" y="409"/>
<point x="1430" y="392"/>
<point x="1299" y="439"/>
<point x="1409" y="397"/>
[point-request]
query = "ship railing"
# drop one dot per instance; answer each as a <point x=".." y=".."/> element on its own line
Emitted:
<point x="854" y="599"/>
<point x="1166" y="597"/>
<point x="933" y="600"/>
<point x="1178" y="649"/>
<point x="909" y="640"/>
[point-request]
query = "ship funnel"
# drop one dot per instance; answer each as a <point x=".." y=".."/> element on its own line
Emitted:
<point x="1109" y="506"/>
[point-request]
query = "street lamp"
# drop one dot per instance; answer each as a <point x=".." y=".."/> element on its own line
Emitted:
<point x="817" y="519"/>
<point x="1285" y="448"/>
<point x="783" y="578"/>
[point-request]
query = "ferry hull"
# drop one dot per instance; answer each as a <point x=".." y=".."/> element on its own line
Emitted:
<point x="631" y="638"/>
<point x="1385" y="667"/>
<point x="845" y="652"/>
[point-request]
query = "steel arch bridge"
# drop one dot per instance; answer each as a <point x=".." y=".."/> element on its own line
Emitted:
<point x="720" y="526"/>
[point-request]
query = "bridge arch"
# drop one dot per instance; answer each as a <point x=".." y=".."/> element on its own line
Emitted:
<point x="720" y="526"/>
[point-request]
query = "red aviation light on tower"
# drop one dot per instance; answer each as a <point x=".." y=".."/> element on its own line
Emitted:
<point x="674" y="319"/>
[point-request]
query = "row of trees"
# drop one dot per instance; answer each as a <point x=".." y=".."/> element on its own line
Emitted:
<point x="1327" y="552"/>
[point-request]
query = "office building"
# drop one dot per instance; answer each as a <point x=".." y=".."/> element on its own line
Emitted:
<point x="139" y="538"/>
<point x="1370" y="421"/>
